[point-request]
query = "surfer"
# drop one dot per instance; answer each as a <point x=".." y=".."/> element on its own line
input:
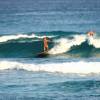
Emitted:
<point x="91" y="33"/>
<point x="45" y="41"/>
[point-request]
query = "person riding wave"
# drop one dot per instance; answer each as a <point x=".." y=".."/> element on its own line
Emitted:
<point x="45" y="41"/>
<point x="91" y="33"/>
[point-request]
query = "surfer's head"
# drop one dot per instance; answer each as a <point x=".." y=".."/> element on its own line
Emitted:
<point x="45" y="37"/>
<point x="90" y="33"/>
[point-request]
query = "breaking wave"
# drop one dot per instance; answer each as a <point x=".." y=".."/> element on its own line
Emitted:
<point x="63" y="45"/>
<point x="6" y="38"/>
<point x="65" y="67"/>
<point x="29" y="45"/>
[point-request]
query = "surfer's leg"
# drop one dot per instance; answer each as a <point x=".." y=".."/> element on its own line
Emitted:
<point x="47" y="48"/>
<point x="44" y="49"/>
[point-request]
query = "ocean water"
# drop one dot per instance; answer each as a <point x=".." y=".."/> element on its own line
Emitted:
<point x="71" y="71"/>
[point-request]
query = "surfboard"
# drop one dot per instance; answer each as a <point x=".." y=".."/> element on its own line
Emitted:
<point x="42" y="54"/>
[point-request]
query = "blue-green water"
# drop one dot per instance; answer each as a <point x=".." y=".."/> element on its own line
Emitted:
<point x="22" y="85"/>
<point x="71" y="71"/>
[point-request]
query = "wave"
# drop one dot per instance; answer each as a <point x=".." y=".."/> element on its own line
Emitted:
<point x="64" y="45"/>
<point x="65" y="67"/>
<point x="13" y="37"/>
<point x="6" y="38"/>
<point x="38" y="35"/>
<point x="69" y="43"/>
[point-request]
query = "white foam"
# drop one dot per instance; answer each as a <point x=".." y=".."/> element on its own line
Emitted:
<point x="11" y="37"/>
<point x="67" y="67"/>
<point x="6" y="38"/>
<point x="94" y="41"/>
<point x="64" y="44"/>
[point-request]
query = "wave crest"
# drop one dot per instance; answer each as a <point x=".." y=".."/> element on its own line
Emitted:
<point x="64" y="45"/>
<point x="6" y="38"/>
